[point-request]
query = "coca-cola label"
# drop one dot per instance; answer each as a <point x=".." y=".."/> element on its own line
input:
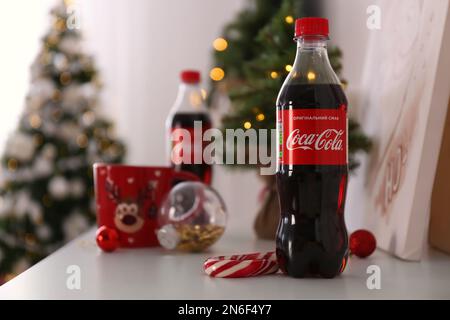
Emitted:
<point x="313" y="136"/>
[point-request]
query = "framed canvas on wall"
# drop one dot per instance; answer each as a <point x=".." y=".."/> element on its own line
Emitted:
<point x="405" y="94"/>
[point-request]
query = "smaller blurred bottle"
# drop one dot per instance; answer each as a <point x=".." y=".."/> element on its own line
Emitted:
<point x="188" y="108"/>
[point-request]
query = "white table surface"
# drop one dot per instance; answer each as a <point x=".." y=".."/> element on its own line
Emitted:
<point x="158" y="274"/>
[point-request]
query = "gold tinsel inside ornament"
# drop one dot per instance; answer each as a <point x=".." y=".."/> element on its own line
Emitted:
<point x="196" y="238"/>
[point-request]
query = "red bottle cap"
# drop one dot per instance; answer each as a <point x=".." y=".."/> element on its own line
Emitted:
<point x="311" y="27"/>
<point x="190" y="76"/>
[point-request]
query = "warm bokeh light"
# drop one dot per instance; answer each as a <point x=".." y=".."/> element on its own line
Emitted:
<point x="216" y="74"/>
<point x="289" y="19"/>
<point x="65" y="78"/>
<point x="88" y="118"/>
<point x="220" y="44"/>
<point x="195" y="99"/>
<point x="288" y="68"/>
<point x="35" y="121"/>
<point x="56" y="95"/>
<point x="311" y="75"/>
<point x="38" y="139"/>
<point x="82" y="140"/>
<point x="46" y="201"/>
<point x="260" y="117"/>
<point x="274" y="74"/>
<point x="204" y="93"/>
<point x="12" y="164"/>
<point x="247" y="124"/>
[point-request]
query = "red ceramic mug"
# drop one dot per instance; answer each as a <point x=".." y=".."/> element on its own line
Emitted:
<point x="128" y="199"/>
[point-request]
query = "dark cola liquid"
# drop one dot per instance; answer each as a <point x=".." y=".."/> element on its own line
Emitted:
<point x="312" y="238"/>
<point x="186" y="121"/>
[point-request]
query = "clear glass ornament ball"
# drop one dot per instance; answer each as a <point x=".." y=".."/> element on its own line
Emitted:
<point x="191" y="218"/>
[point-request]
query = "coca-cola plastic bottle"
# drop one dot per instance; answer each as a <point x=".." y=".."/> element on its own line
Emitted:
<point x="189" y="108"/>
<point x="312" y="160"/>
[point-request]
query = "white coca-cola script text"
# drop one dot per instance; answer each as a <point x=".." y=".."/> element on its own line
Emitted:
<point x="329" y="139"/>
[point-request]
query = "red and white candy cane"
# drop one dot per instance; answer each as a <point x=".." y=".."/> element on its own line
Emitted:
<point x="239" y="266"/>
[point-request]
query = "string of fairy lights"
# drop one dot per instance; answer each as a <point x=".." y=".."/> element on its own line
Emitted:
<point x="218" y="74"/>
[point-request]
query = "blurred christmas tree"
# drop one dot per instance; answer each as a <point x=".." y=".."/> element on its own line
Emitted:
<point x="46" y="182"/>
<point x="252" y="59"/>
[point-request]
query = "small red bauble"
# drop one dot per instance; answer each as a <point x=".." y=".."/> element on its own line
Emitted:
<point x="362" y="243"/>
<point x="107" y="239"/>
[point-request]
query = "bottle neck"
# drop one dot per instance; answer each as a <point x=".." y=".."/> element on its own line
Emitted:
<point x="312" y="48"/>
<point x="312" y="41"/>
<point x="311" y="63"/>
<point x="189" y="99"/>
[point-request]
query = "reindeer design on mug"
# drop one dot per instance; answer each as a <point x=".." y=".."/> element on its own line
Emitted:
<point x="128" y="215"/>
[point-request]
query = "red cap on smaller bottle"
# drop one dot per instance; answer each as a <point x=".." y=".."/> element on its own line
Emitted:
<point x="190" y="76"/>
<point x="311" y="27"/>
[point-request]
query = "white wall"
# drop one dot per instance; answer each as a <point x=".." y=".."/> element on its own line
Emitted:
<point x="348" y="30"/>
<point x="22" y="23"/>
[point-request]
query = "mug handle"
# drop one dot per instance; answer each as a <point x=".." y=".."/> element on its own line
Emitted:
<point x="184" y="175"/>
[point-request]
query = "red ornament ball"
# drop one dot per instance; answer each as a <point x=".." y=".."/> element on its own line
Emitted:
<point x="107" y="238"/>
<point x="362" y="243"/>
